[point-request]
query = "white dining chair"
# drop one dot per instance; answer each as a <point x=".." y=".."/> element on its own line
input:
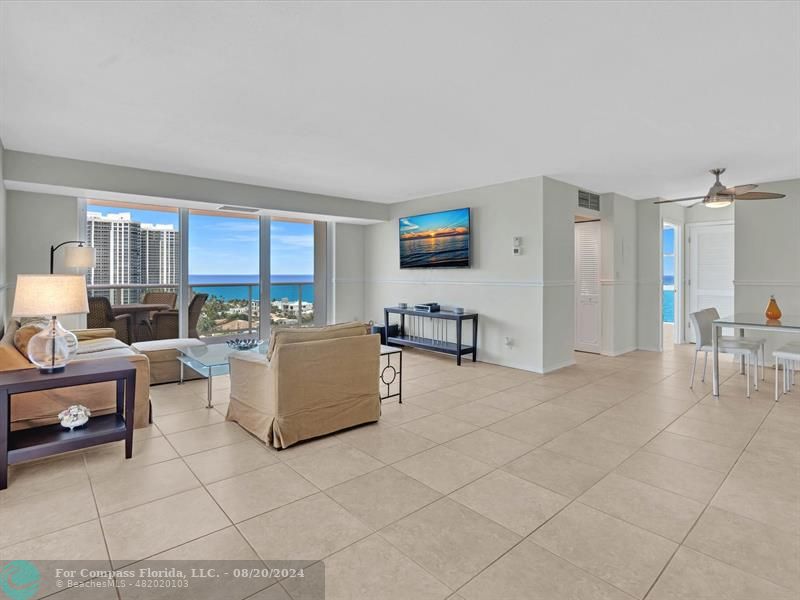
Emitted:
<point x="789" y="357"/>
<point x="703" y="321"/>
<point x="761" y="341"/>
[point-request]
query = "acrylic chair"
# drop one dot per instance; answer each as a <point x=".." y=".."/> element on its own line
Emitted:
<point x="702" y="322"/>
<point x="789" y="356"/>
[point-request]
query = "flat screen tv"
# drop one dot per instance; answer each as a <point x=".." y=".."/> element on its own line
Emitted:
<point x="435" y="240"/>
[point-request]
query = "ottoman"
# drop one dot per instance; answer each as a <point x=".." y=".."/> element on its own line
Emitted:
<point x="163" y="356"/>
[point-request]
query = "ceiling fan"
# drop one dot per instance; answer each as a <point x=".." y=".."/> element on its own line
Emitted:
<point x="719" y="196"/>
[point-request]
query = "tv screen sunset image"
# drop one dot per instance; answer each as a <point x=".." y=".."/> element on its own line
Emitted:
<point x="435" y="240"/>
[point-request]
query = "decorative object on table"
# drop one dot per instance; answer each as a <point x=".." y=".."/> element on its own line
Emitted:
<point x="719" y="196"/>
<point x="459" y="310"/>
<point x="773" y="313"/>
<point x="428" y="307"/>
<point x="402" y="305"/>
<point x="37" y="295"/>
<point x="75" y="257"/>
<point x="244" y="343"/>
<point x="74" y="416"/>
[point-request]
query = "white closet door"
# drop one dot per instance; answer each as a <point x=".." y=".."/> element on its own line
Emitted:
<point x="587" y="287"/>
<point x="710" y="281"/>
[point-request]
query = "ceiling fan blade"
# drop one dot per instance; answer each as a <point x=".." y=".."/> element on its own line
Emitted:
<point x="679" y="200"/>
<point x="759" y="196"/>
<point x="738" y="190"/>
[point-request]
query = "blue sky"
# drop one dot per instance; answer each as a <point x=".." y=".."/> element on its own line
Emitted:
<point x="668" y="247"/>
<point x="442" y="220"/>
<point x="229" y="245"/>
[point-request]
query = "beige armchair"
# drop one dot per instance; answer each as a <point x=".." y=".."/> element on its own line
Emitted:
<point x="314" y="381"/>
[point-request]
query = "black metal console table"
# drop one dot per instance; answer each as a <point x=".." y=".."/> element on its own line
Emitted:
<point x="37" y="442"/>
<point x="438" y="341"/>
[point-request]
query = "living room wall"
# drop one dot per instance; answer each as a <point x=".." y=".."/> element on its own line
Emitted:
<point x="3" y="253"/>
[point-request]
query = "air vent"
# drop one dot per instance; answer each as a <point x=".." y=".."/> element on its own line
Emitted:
<point x="588" y="200"/>
<point x="241" y="209"/>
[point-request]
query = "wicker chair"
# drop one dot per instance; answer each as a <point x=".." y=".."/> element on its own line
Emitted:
<point x="166" y="322"/>
<point x="160" y="298"/>
<point x="100" y="315"/>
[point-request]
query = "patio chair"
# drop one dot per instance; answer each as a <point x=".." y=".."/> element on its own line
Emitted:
<point x="165" y="323"/>
<point x="100" y="316"/>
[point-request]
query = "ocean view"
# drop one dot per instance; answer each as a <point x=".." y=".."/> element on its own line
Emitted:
<point x="281" y="286"/>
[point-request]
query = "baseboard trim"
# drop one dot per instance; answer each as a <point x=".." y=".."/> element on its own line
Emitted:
<point x="556" y="367"/>
<point x="623" y="351"/>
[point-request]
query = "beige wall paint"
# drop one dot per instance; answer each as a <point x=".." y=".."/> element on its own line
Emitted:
<point x="3" y="251"/>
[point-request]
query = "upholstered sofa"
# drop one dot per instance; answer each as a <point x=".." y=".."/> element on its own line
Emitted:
<point x="311" y="382"/>
<point x="41" y="408"/>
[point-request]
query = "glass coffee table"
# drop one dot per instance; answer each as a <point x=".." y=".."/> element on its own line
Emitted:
<point x="210" y="360"/>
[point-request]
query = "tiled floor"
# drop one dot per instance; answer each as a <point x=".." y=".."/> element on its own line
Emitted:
<point x="609" y="479"/>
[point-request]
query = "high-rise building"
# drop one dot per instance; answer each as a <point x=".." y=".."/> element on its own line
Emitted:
<point x="129" y="252"/>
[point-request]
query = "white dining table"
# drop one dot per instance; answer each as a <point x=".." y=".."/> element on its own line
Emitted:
<point x="742" y="322"/>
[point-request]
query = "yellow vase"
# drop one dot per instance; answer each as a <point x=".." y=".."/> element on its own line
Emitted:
<point x="773" y="312"/>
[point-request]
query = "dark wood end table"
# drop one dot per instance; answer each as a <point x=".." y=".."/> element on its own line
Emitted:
<point x="38" y="442"/>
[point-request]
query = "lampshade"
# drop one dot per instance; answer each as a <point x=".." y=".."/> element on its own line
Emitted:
<point x="79" y="257"/>
<point x="46" y="295"/>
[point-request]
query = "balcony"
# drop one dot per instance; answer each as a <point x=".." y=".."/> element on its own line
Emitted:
<point x="232" y="309"/>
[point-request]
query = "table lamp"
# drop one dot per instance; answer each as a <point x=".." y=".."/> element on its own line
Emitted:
<point x="42" y="295"/>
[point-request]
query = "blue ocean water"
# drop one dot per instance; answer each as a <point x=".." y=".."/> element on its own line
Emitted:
<point x="278" y="290"/>
<point x="668" y="306"/>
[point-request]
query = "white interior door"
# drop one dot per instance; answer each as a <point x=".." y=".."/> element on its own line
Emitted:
<point x="587" y="287"/>
<point x="710" y="279"/>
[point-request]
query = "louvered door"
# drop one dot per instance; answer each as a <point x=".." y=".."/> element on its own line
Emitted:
<point x="587" y="287"/>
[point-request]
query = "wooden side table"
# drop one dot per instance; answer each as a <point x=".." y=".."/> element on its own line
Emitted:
<point x="37" y="442"/>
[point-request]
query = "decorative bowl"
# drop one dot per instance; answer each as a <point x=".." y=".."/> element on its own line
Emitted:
<point x="244" y="343"/>
<point x="74" y="416"/>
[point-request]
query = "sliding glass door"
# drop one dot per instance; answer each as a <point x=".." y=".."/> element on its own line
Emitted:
<point x="291" y="272"/>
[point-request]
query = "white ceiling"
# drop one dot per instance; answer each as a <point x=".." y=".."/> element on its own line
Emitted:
<point x="390" y="101"/>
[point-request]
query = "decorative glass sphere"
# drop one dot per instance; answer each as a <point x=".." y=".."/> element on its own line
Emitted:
<point x="52" y="348"/>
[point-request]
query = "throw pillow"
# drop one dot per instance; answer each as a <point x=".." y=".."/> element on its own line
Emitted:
<point x="24" y="334"/>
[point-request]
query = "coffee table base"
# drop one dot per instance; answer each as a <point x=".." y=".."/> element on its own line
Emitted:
<point x="209" y="379"/>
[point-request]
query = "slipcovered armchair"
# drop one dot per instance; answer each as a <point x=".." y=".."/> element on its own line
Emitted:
<point x="313" y="381"/>
<point x="165" y="323"/>
<point x="101" y="316"/>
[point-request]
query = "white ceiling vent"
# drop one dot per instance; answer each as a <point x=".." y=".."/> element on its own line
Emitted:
<point x="588" y="200"/>
<point x="241" y="209"/>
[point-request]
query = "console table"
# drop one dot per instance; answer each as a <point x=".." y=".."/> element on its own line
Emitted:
<point x="37" y="442"/>
<point x="414" y="334"/>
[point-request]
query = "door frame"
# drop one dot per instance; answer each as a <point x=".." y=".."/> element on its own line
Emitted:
<point x="691" y="234"/>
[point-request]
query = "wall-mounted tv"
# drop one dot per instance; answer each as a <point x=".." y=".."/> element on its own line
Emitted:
<point x="439" y="239"/>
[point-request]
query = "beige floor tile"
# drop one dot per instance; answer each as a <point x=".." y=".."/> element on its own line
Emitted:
<point x="622" y="554"/>
<point x="516" y="504"/>
<point x="776" y="443"/>
<point x="763" y="489"/>
<point x="644" y="416"/>
<point x="672" y="475"/>
<point x="648" y="507"/>
<point x="174" y="403"/>
<point x="722" y="435"/>
<point x="274" y="592"/>
<point x="110" y="458"/>
<point x="441" y="538"/>
<point x="536" y="390"/>
<point x="692" y="576"/>
<point x="206" y="438"/>
<point x="556" y="472"/>
<point x="477" y="414"/>
<point x="225" y="544"/>
<point x="539" y="424"/>
<point x="661" y="402"/>
<point x="437" y="401"/>
<point x="590" y="449"/>
<point x="82" y="543"/>
<point x="438" y="428"/>
<point x="618" y="430"/>
<point x="383" y="496"/>
<point x="371" y="570"/>
<point x="501" y="382"/>
<point x="190" y="419"/>
<point x="530" y="572"/>
<point x="29" y="517"/>
<point x="694" y="451"/>
<point x="588" y="405"/>
<point x="395" y="414"/>
<point x="510" y="403"/>
<point x="759" y="549"/>
<point x="387" y="444"/>
<point x="255" y="492"/>
<point x="335" y="465"/>
<point x="442" y="469"/>
<point x="304" y="531"/>
<point x="131" y="487"/>
<point x="469" y="390"/>
<point x="489" y="447"/>
<point x="307" y="447"/>
<point x="227" y="461"/>
<point x="35" y="477"/>
<point x="151" y="528"/>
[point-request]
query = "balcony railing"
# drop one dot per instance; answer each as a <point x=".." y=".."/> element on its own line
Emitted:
<point x="232" y="309"/>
